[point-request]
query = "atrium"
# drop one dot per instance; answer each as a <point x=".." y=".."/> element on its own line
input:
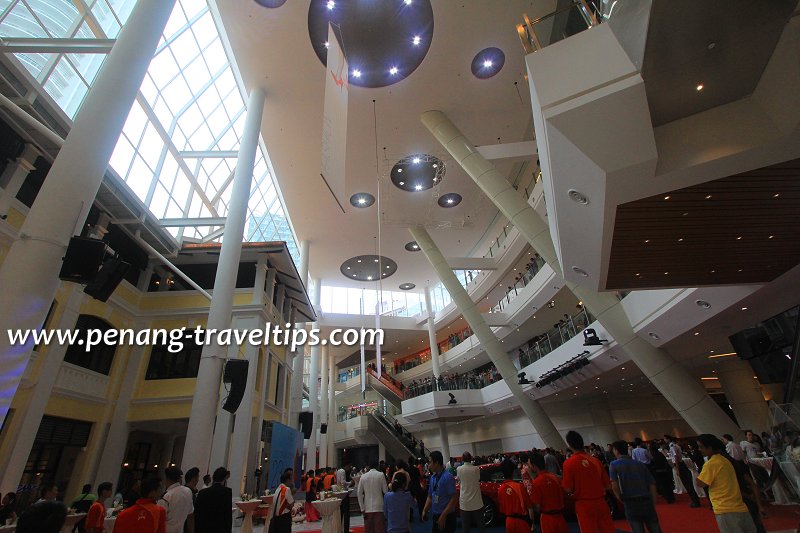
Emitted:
<point x="270" y="234"/>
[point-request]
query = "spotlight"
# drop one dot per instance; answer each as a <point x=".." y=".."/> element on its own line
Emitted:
<point x="327" y="44"/>
<point x="408" y="2"/>
<point x="487" y="63"/>
<point x="452" y="399"/>
<point x="331" y="4"/>
<point x="551" y="304"/>
<point x="362" y="200"/>
<point x="418" y="187"/>
<point x="356" y="73"/>
<point x="417" y="39"/>
<point x="522" y="379"/>
<point x="393" y="71"/>
<point x="590" y="338"/>
<point x="416" y="160"/>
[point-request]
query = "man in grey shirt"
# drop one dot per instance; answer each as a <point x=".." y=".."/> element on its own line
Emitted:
<point x="470" y="500"/>
<point x="551" y="462"/>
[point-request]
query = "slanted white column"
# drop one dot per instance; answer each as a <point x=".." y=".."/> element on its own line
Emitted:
<point x="684" y="392"/>
<point x="16" y="172"/>
<point x="432" y="335"/>
<point x="605" y="429"/>
<point x="445" y="439"/>
<point x="206" y="399"/>
<point x="332" y="410"/>
<point x="223" y="427"/>
<point x="259" y="296"/>
<point x="541" y="422"/>
<point x="313" y="386"/>
<point x="323" y="408"/>
<point x="29" y="273"/>
<point x="27" y="418"/>
<point x="243" y="421"/>
<point x="744" y="394"/>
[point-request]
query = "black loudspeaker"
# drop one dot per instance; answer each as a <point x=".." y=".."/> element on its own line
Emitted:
<point x="82" y="259"/>
<point x="111" y="274"/>
<point x="306" y="420"/>
<point x="236" y="375"/>
<point x="323" y="428"/>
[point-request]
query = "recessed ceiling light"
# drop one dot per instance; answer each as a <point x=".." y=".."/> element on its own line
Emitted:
<point x="666" y="198"/>
<point x="666" y="273"/>
<point x="771" y="236"/>
<point x="416" y="160"/>
<point x="356" y="73"/>
<point x="402" y="183"/>
<point x="331" y="4"/>
<point x="434" y="165"/>
<point x="399" y="170"/>
<point x="408" y="2"/>
<point x="776" y="195"/>
<point x="362" y="200"/>
<point x="708" y="197"/>
<point x="699" y="87"/>
<point x="579" y="270"/>
<point x="744" y="309"/>
<point x="450" y="201"/>
<point x="358" y="260"/>
<point x="418" y="187"/>
<point x="680" y="240"/>
<point x="577" y="197"/>
<point x="646" y="241"/>
<point x="697" y="333"/>
<point x="376" y="260"/>
<point x="417" y="39"/>
<point x="348" y="268"/>
<point x="702" y="303"/>
<point x="487" y="63"/>
<point x="369" y="278"/>
<point x="393" y="71"/>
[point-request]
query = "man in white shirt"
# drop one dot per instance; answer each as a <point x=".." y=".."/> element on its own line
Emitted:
<point x="751" y="447"/>
<point x="341" y="480"/>
<point x="371" y="489"/>
<point x="470" y="500"/>
<point x="676" y="460"/>
<point x="177" y="501"/>
<point x="733" y="449"/>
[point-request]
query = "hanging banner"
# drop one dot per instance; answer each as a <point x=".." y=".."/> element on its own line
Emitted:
<point x="334" y="120"/>
<point x="286" y="451"/>
<point x="378" y="338"/>
<point x="363" y="366"/>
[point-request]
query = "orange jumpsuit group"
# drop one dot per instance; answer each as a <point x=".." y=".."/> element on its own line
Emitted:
<point x="586" y="478"/>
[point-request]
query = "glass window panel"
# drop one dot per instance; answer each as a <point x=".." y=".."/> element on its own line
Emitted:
<point x="202" y="138"/>
<point x="57" y="16"/>
<point x="228" y="141"/>
<point x="163" y="68"/>
<point x="196" y="75"/>
<point x="139" y="178"/>
<point x="148" y="89"/>
<point x="225" y="82"/>
<point x="176" y="94"/>
<point x="162" y="112"/>
<point x="204" y="29"/>
<point x="135" y="123"/>
<point x="184" y="48"/>
<point x="87" y="64"/>
<point x="176" y="22"/>
<point x="173" y="210"/>
<point x="105" y="17"/>
<point x="122" y="156"/>
<point x="122" y="8"/>
<point x="218" y="121"/>
<point x="215" y="57"/>
<point x="158" y="206"/>
<point x="182" y="188"/>
<point x="66" y="87"/>
<point x="85" y="32"/>
<point x="192" y="8"/>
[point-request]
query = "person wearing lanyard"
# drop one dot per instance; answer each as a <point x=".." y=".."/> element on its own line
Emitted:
<point x="547" y="496"/>
<point x="442" y="497"/>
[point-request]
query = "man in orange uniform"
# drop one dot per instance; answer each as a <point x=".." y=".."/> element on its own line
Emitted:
<point x="586" y="479"/>
<point x="145" y="516"/>
<point x="328" y="479"/>
<point x="513" y="501"/>
<point x="97" y="512"/>
<point x="547" y="496"/>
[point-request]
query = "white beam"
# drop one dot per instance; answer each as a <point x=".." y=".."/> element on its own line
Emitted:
<point x="37" y="45"/>
<point x="513" y="151"/>
<point x="472" y="263"/>
<point x="183" y="222"/>
<point x="213" y="235"/>
<point x="209" y="154"/>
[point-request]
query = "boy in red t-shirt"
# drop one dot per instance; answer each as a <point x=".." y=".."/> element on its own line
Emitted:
<point x="145" y="516"/>
<point x="513" y="501"/>
<point x="96" y="516"/>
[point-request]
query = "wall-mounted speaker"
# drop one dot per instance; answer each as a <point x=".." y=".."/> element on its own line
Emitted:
<point x="82" y="259"/>
<point x="306" y="420"/>
<point x="235" y="374"/>
<point x="107" y="279"/>
<point x="323" y="429"/>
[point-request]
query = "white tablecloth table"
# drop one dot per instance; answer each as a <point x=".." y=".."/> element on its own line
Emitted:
<point x="778" y="489"/>
<point x="108" y="524"/>
<point x="248" y="508"/>
<point x="331" y="515"/>
<point x="7" y="529"/>
<point x="701" y="493"/>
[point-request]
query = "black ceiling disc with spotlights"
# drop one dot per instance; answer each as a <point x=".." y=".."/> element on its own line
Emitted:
<point x="366" y="267"/>
<point x="418" y="172"/>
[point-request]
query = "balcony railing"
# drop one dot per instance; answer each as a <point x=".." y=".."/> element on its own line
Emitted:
<point x="534" y="266"/>
<point x="565" y="22"/>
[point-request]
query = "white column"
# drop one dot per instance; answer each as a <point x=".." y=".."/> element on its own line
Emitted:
<point x="243" y="422"/>
<point x="743" y="393"/>
<point x="16" y="172"/>
<point x="381" y="451"/>
<point x="323" y="408"/>
<point x="117" y="439"/>
<point x="332" y="410"/>
<point x="144" y="279"/>
<point x="432" y="335"/>
<point x="280" y="296"/>
<point x="261" y="279"/>
<point x="445" y="439"/>
<point x="313" y="387"/>
<point x="206" y="399"/>
<point x="223" y="427"/>
<point x="29" y="273"/>
<point x="605" y="429"/>
<point x="541" y="422"/>
<point x="270" y="290"/>
<point x="684" y="392"/>
<point x="29" y="417"/>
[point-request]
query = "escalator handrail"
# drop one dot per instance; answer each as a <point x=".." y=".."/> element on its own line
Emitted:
<point x="388" y="384"/>
<point x="387" y="423"/>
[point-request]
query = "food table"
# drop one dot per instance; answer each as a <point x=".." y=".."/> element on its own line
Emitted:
<point x="778" y="489"/>
<point x="331" y="515"/>
<point x="248" y="508"/>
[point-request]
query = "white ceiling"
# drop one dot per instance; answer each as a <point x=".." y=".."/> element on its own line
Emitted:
<point x="272" y="49"/>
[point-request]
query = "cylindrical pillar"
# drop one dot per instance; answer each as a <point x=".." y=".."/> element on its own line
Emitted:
<point x="743" y="393"/>
<point x="684" y="392"/>
<point x="167" y="452"/>
<point x="541" y="422"/>
<point x="332" y="410"/>
<point x="304" y="253"/>
<point x="204" y="405"/>
<point x="313" y="385"/>
<point x="323" y="409"/>
<point x="29" y="273"/>
<point x="16" y="172"/>
<point x="259" y="296"/>
<point x="445" y="439"/>
<point x="432" y="335"/>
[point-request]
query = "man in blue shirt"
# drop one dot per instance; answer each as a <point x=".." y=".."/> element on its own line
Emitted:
<point x="442" y="497"/>
<point x="633" y="483"/>
<point x="640" y="453"/>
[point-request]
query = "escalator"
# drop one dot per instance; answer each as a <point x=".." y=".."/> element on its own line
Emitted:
<point x="382" y="426"/>
<point x="385" y="387"/>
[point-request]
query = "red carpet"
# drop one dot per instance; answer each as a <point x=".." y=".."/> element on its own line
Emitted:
<point x="680" y="517"/>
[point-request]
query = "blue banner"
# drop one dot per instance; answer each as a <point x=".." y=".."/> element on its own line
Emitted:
<point x="286" y="451"/>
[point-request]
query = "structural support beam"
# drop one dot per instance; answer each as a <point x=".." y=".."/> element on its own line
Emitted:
<point x="472" y="263"/>
<point x="743" y="393"/>
<point x="437" y="371"/>
<point x="313" y="386"/>
<point x="184" y="222"/>
<point x="684" y="392"/>
<point x="541" y="422"/>
<point x="205" y="402"/>
<point x="38" y="45"/>
<point x="210" y="154"/>
<point x="29" y="273"/>
<point x="514" y="151"/>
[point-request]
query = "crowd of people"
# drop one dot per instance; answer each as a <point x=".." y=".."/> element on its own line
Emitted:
<point x="474" y="379"/>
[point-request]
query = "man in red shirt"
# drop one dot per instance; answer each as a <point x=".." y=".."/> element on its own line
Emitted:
<point x="96" y="516"/>
<point x="586" y="479"/>
<point x="513" y="501"/>
<point x="145" y="516"/>
<point x="547" y="496"/>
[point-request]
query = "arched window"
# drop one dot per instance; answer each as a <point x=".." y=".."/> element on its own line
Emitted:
<point x="97" y="358"/>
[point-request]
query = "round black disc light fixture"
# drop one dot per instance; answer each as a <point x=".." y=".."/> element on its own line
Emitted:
<point x="362" y="199"/>
<point x="271" y="3"/>
<point x="450" y="199"/>
<point x="412" y="246"/>
<point x="418" y="172"/>
<point x="385" y="40"/>
<point x="368" y="268"/>
<point x="488" y="62"/>
<point x="407" y="286"/>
